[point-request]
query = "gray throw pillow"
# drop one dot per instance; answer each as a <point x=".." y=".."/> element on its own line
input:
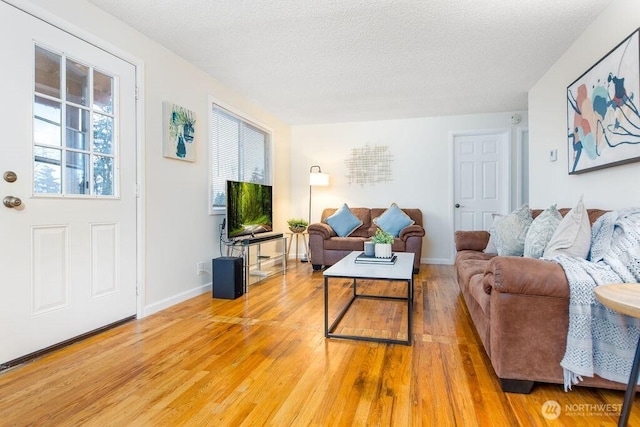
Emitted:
<point x="540" y="232"/>
<point x="509" y="232"/>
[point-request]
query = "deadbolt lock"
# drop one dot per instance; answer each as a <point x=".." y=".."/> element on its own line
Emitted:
<point x="10" y="176"/>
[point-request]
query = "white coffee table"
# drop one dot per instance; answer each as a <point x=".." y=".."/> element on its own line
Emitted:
<point x="347" y="268"/>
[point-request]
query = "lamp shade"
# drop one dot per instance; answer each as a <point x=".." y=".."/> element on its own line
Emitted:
<point x="318" y="179"/>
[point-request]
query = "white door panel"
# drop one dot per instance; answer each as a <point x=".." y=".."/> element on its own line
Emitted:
<point x="481" y="182"/>
<point x="68" y="263"/>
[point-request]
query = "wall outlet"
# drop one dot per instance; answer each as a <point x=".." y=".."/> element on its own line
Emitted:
<point x="200" y="269"/>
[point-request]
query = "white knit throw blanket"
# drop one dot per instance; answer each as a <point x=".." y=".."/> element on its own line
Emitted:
<point x="599" y="340"/>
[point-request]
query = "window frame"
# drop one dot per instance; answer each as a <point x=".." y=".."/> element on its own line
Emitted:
<point x="240" y="115"/>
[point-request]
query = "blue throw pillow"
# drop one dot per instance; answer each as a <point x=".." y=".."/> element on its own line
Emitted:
<point x="393" y="220"/>
<point x="343" y="221"/>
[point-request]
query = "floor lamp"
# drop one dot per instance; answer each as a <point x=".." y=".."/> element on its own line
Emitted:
<point x="316" y="179"/>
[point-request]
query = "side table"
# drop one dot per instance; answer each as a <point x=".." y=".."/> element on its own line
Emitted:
<point x="304" y="239"/>
<point x="624" y="298"/>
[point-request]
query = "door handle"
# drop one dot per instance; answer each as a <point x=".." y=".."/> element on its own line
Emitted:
<point x="458" y="205"/>
<point x="11" y="202"/>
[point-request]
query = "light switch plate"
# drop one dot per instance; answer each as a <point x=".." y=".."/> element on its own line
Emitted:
<point x="553" y="155"/>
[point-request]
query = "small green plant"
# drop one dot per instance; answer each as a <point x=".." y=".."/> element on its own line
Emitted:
<point x="382" y="236"/>
<point x="297" y="223"/>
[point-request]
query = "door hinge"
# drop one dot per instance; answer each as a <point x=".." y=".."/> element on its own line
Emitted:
<point x="137" y="289"/>
<point x="137" y="93"/>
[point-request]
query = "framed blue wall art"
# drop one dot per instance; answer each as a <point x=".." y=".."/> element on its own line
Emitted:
<point x="603" y="121"/>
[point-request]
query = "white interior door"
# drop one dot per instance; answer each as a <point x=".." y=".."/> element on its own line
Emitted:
<point x="68" y="252"/>
<point x="481" y="179"/>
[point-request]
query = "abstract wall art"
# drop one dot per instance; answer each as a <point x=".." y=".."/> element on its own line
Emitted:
<point x="179" y="133"/>
<point x="603" y="122"/>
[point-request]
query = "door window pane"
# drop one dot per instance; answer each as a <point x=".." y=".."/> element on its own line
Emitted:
<point x="47" y="72"/>
<point x="47" y="170"/>
<point x="102" y="92"/>
<point x="103" y="176"/>
<point x="77" y="83"/>
<point x="103" y="134"/>
<point x="77" y="128"/>
<point x="46" y="121"/>
<point x="77" y="173"/>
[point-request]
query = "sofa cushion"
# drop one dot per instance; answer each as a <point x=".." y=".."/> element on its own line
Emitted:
<point x="476" y="290"/>
<point x="345" y="243"/>
<point x="343" y="221"/>
<point x="399" y="246"/>
<point x="468" y="268"/>
<point x="540" y="232"/>
<point x="510" y="231"/>
<point x="573" y="235"/>
<point x="393" y="220"/>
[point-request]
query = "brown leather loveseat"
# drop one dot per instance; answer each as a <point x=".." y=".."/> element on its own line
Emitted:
<point x="327" y="247"/>
<point x="520" y="309"/>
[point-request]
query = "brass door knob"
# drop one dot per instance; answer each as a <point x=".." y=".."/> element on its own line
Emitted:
<point x="11" y="202"/>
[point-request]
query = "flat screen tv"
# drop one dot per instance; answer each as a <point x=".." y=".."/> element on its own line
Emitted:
<point x="249" y="209"/>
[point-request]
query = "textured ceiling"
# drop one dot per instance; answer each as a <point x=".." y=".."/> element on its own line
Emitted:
<point x="318" y="61"/>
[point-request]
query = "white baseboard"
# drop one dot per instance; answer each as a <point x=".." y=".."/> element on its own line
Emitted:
<point x="181" y="297"/>
<point x="444" y="261"/>
<point x="176" y="299"/>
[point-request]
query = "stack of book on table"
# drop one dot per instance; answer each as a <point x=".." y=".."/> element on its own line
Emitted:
<point x="368" y="259"/>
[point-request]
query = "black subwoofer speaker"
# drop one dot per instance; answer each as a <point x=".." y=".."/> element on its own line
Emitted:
<point x="227" y="277"/>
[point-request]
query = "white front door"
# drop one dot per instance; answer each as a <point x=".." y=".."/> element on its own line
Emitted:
<point x="481" y="179"/>
<point x="68" y="251"/>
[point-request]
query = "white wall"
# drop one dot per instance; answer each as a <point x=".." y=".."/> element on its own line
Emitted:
<point x="610" y="188"/>
<point x="421" y="169"/>
<point x="178" y="230"/>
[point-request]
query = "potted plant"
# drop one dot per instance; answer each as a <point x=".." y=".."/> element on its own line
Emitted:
<point x="297" y="225"/>
<point x="383" y="242"/>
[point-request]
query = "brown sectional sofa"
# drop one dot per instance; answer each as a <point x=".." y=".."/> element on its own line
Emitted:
<point x="327" y="248"/>
<point x="520" y="309"/>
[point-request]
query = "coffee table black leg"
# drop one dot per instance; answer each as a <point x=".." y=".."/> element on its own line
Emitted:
<point x="326" y="307"/>
<point x="410" y="308"/>
<point x="631" y="389"/>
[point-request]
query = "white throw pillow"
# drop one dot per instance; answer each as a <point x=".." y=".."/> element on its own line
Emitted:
<point x="491" y="245"/>
<point x="573" y="235"/>
<point x="541" y="231"/>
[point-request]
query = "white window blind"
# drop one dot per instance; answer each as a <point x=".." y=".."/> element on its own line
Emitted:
<point x="239" y="152"/>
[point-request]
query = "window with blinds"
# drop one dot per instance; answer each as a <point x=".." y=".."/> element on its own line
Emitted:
<point x="239" y="152"/>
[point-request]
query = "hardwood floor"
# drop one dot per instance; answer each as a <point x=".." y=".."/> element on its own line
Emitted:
<point x="263" y="360"/>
